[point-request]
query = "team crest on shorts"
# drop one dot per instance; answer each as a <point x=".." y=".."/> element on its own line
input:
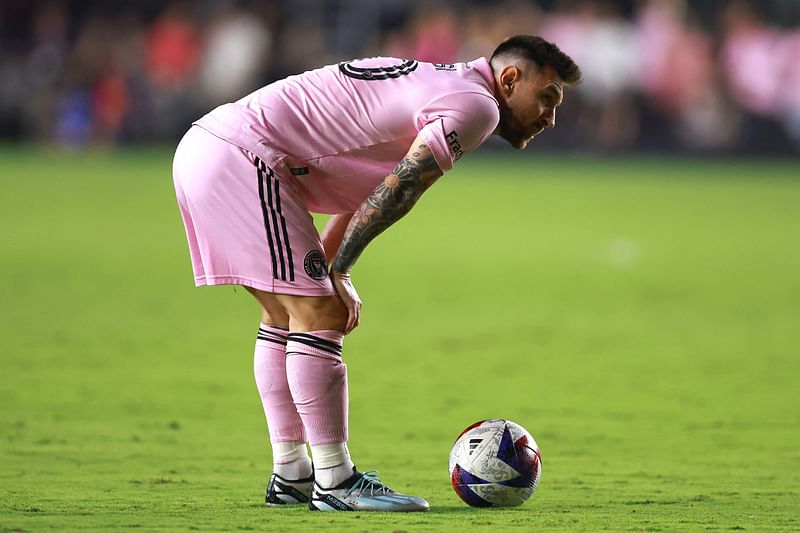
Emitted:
<point x="314" y="265"/>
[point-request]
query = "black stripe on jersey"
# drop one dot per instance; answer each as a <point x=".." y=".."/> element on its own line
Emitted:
<point x="260" y="169"/>
<point x="378" y="73"/>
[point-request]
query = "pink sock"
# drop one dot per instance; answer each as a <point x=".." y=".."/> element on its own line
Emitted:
<point x="269" y="366"/>
<point x="318" y="381"/>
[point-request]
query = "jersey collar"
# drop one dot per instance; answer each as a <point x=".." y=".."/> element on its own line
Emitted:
<point x="482" y="65"/>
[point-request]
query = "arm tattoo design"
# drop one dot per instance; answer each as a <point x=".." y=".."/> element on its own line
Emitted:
<point x="390" y="200"/>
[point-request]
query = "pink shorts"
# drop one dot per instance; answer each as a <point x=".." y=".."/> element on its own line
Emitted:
<point x="245" y="224"/>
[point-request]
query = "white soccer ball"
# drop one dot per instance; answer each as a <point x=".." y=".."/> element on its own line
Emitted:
<point x="495" y="463"/>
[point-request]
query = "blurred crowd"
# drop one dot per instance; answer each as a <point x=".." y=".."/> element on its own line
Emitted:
<point x="709" y="76"/>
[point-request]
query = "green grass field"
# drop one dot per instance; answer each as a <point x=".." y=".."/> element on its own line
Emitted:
<point x="641" y="317"/>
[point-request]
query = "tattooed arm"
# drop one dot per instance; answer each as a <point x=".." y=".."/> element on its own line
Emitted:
<point x="333" y="233"/>
<point x="390" y="200"/>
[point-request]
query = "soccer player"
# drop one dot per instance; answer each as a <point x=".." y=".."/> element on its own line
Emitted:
<point x="361" y="140"/>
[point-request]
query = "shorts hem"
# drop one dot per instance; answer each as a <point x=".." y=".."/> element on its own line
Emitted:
<point x="273" y="288"/>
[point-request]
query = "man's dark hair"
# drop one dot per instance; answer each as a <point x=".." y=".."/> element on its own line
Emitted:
<point x="541" y="52"/>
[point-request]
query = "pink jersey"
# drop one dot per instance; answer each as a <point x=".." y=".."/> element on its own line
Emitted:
<point x="339" y="130"/>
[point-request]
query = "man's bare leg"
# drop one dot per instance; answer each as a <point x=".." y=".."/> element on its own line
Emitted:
<point x="302" y="313"/>
<point x="316" y="375"/>
<point x="317" y="380"/>
<point x="291" y="479"/>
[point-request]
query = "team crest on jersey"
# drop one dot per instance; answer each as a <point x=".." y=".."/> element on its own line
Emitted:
<point x="315" y="266"/>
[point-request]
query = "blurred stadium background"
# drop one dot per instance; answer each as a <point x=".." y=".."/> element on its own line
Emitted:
<point x="699" y="76"/>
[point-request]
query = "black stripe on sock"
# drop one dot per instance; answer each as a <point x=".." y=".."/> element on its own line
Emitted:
<point x="280" y="333"/>
<point x="316" y="342"/>
<point x="331" y="357"/>
<point x="337" y="353"/>
<point x="270" y="332"/>
<point x="266" y="336"/>
<point x="332" y="344"/>
<point x="274" y="341"/>
<point x="260" y="168"/>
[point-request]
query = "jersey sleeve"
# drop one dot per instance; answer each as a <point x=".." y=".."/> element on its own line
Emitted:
<point x="457" y="124"/>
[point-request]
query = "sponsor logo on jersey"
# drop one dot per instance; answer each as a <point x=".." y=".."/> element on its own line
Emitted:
<point x="444" y="66"/>
<point x="455" y="146"/>
<point x="314" y="265"/>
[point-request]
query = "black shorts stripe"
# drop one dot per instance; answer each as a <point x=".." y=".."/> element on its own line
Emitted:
<point x="276" y="233"/>
<point x="274" y="222"/>
<point x="260" y="169"/>
<point x="285" y="232"/>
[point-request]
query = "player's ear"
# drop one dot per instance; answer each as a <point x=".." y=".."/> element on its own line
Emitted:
<point x="508" y="78"/>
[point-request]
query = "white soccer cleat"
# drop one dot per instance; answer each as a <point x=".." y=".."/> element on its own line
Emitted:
<point x="363" y="492"/>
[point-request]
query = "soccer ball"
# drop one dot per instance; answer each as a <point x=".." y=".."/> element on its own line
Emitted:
<point x="495" y="463"/>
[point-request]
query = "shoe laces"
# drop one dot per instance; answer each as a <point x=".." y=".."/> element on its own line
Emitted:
<point x="369" y="482"/>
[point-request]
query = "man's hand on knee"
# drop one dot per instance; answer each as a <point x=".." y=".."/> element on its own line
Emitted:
<point x="347" y="292"/>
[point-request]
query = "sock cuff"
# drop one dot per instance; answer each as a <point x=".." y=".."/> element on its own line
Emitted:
<point x="272" y="334"/>
<point x="324" y="343"/>
<point x="330" y="455"/>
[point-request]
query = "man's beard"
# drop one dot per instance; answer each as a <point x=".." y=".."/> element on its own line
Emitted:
<point x="510" y="129"/>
